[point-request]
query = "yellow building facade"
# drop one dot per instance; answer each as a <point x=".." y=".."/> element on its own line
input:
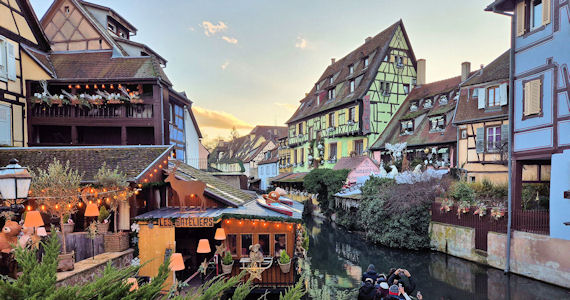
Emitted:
<point x="23" y="47"/>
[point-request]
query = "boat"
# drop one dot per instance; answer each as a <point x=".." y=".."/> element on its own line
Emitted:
<point x="285" y="201"/>
<point x="275" y="206"/>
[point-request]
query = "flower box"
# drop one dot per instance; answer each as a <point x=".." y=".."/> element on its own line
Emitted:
<point x="116" y="242"/>
<point x="66" y="262"/>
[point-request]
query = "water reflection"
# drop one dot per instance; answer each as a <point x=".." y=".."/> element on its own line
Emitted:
<point x="337" y="259"/>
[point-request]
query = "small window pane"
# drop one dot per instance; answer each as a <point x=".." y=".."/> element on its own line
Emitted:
<point x="245" y="243"/>
<point x="264" y="243"/>
<point x="280" y="243"/>
<point x="231" y="243"/>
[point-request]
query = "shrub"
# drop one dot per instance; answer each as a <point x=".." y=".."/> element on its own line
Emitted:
<point x="284" y="258"/>
<point x="462" y="192"/>
<point x="325" y="183"/>
<point x="346" y="219"/>
<point x="397" y="215"/>
<point x="227" y="259"/>
<point x="103" y="214"/>
<point x="532" y="191"/>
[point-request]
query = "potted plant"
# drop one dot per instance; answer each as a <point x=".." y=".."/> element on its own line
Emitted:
<point x="103" y="220"/>
<point x="497" y="212"/>
<point x="56" y="190"/>
<point x="481" y="209"/>
<point x="116" y="187"/>
<point x="227" y="262"/>
<point x="463" y="208"/>
<point x="446" y="205"/>
<point x="284" y="262"/>
<point x="68" y="224"/>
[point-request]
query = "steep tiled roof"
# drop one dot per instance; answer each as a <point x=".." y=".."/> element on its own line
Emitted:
<point x="273" y="157"/>
<point x="467" y="108"/>
<point x="247" y="147"/>
<point x="102" y="64"/>
<point x="375" y="49"/>
<point x="350" y="163"/>
<point x="422" y="134"/>
<point x="214" y="186"/>
<point x="289" y="177"/>
<point x="41" y="58"/>
<point x="131" y="160"/>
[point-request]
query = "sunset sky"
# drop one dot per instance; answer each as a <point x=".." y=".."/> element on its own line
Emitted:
<point x="246" y="63"/>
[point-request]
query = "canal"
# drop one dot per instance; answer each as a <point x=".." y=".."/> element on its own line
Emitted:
<point x="337" y="259"/>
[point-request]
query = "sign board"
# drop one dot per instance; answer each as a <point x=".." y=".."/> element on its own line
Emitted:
<point x="187" y="222"/>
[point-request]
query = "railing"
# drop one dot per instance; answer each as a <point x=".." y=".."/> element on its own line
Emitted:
<point x="135" y="111"/>
<point x="534" y="221"/>
<point x="272" y="277"/>
<point x="482" y="225"/>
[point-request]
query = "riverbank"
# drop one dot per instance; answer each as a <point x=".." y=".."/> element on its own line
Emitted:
<point x="337" y="259"/>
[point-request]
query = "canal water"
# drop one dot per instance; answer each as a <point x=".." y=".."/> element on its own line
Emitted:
<point x="337" y="259"/>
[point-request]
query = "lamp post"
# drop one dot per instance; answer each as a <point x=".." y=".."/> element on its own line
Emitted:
<point x="15" y="183"/>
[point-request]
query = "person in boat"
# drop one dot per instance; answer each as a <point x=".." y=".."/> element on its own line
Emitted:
<point x="367" y="291"/>
<point x="404" y="277"/>
<point x="370" y="273"/>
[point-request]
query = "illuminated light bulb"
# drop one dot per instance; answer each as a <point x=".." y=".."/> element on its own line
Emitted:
<point x="192" y="195"/>
<point x="112" y="87"/>
<point x="160" y="166"/>
<point x="77" y="86"/>
<point x="165" y="161"/>
<point x="253" y="223"/>
<point x="290" y="226"/>
<point x="108" y="200"/>
<point x="68" y="205"/>
<point x="86" y="86"/>
<point x="103" y="86"/>
<point x="278" y="225"/>
<point x="151" y="175"/>
<point x="264" y="224"/>
<point x="69" y="86"/>
<point x="145" y="180"/>
<point x="120" y="85"/>
<point x="155" y="170"/>
<point x="136" y="192"/>
<point x="98" y="201"/>
<point x="80" y="204"/>
<point x="95" y="86"/>
<point x="227" y="221"/>
<point x="57" y="206"/>
<point x="298" y="226"/>
<point x="29" y="207"/>
<point x="105" y="190"/>
<point x="43" y="207"/>
<point x="140" y="185"/>
<point x="240" y="222"/>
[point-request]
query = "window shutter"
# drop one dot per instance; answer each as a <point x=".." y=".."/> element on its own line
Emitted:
<point x="526" y="102"/>
<point x="503" y="92"/>
<point x="504" y="134"/>
<point x="480" y="140"/>
<point x="535" y="96"/>
<point x="546" y="8"/>
<point x="338" y="150"/>
<point x="5" y="125"/>
<point x="520" y="18"/>
<point x="11" y="61"/>
<point x="326" y="152"/>
<point x="327" y="122"/>
<point x="356" y="115"/>
<point x="392" y="58"/>
<point x="481" y="96"/>
<point x="2" y="57"/>
<point x="349" y="147"/>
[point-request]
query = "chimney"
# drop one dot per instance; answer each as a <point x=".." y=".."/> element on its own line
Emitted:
<point x="421" y="72"/>
<point x="366" y="40"/>
<point x="333" y="60"/>
<point x="465" y="70"/>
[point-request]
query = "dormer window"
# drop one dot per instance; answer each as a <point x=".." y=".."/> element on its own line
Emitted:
<point x="399" y="61"/>
<point x="414" y="106"/>
<point x="366" y="60"/>
<point x="437" y="123"/>
<point x="385" y="88"/>
<point x="351" y="69"/>
<point x="443" y="100"/>
<point x="111" y="27"/>
<point x="330" y="80"/>
<point x="332" y="94"/>
<point x="428" y="103"/>
<point x="406" y="88"/>
<point x="352" y="86"/>
<point x="474" y="93"/>
<point x="317" y="86"/>
<point x="406" y="127"/>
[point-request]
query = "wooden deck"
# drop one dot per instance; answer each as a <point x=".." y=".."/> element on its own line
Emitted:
<point x="272" y="277"/>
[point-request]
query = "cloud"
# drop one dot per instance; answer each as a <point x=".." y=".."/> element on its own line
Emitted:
<point x="225" y="65"/>
<point x="287" y="106"/>
<point x="211" y="29"/>
<point x="218" y="119"/>
<point x="301" y="43"/>
<point x="191" y="28"/>
<point x="230" y="40"/>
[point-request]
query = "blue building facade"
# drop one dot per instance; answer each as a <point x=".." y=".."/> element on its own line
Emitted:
<point x="541" y="104"/>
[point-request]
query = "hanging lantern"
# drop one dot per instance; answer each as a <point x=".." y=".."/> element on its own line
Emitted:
<point x="33" y="219"/>
<point x="204" y="246"/>
<point x="220" y="234"/>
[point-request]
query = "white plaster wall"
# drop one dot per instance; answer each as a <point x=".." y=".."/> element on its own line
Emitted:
<point x="192" y="142"/>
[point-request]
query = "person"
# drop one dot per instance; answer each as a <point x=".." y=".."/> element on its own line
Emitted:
<point x="370" y="273"/>
<point x="397" y="292"/>
<point x="367" y="291"/>
<point x="382" y="290"/>
<point x="396" y="278"/>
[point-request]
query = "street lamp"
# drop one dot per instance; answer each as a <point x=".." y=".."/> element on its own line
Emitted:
<point x="15" y="182"/>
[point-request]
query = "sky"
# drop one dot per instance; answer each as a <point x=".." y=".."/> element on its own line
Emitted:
<point x="249" y="62"/>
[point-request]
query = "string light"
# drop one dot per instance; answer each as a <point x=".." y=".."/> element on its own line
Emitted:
<point x="227" y="221"/>
<point x="290" y="226"/>
<point x="68" y="205"/>
<point x="77" y="86"/>
<point x="43" y="207"/>
<point x="29" y="207"/>
<point x="103" y="85"/>
<point x="155" y="170"/>
<point x="150" y="175"/>
<point x="120" y="85"/>
<point x="99" y="201"/>
<point x="86" y="86"/>
<point x="95" y="86"/>
<point x="240" y="222"/>
<point x="264" y="224"/>
<point x="145" y="180"/>
<point x="278" y="225"/>
<point x="160" y="166"/>
<point x="112" y="87"/>
<point x="80" y="204"/>
<point x="140" y="185"/>
<point x="69" y="86"/>
<point x="57" y="206"/>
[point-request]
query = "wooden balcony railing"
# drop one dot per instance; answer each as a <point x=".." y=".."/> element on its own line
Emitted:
<point x="136" y="111"/>
<point x="272" y="277"/>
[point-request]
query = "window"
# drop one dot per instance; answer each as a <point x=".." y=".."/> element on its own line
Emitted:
<point x="7" y="60"/>
<point x="351" y="69"/>
<point x="359" y="147"/>
<point x="536" y="14"/>
<point x="263" y="240"/>
<point x="532" y="98"/>
<point x="332" y="151"/>
<point x="406" y="89"/>
<point x="330" y="80"/>
<point x="231" y="243"/>
<point x="386" y="58"/>
<point x="301" y="128"/>
<point x="493" y="138"/>
<point x="493" y="97"/>
<point x="399" y="61"/>
<point x="246" y="241"/>
<point x="311" y="135"/>
<point x="331" y="120"/>
<point x="437" y="123"/>
<point x="317" y="86"/>
<point x="280" y="243"/>
<point x="302" y="151"/>
<point x="352" y="86"/>
<point x="352" y="114"/>
<point x="67" y="10"/>
<point x="366" y="61"/>
<point x="295" y="157"/>
<point x="384" y="88"/>
<point x="5" y="125"/>
<point x="463" y="134"/>
<point x="474" y="93"/>
<point x="176" y="126"/>
<point x="331" y="93"/>
<point x="111" y="27"/>
<point x="407" y="127"/>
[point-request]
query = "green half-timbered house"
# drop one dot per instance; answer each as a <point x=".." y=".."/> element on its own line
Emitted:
<point x="353" y="101"/>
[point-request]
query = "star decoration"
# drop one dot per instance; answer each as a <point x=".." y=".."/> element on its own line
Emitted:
<point x="204" y="266"/>
<point x="255" y="272"/>
<point x="220" y="250"/>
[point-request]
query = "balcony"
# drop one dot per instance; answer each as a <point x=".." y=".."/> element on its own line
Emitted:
<point x="132" y="111"/>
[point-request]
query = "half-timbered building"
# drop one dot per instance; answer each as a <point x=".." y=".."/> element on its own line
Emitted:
<point x="23" y="48"/>
<point x="481" y="118"/>
<point x="353" y="100"/>
<point x="107" y="89"/>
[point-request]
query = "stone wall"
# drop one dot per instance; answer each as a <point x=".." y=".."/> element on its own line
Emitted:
<point x="87" y="269"/>
<point x="454" y="240"/>
<point x="533" y="255"/>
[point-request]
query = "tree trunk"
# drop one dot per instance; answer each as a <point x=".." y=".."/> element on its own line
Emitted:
<point x="62" y="234"/>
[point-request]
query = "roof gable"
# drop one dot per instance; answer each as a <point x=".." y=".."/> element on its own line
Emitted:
<point x="20" y="24"/>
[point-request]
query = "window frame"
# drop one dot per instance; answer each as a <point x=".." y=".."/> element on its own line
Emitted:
<point x="334" y="146"/>
<point x="496" y="144"/>
<point x="351" y="69"/>
<point x="437" y="119"/>
<point x="275" y="241"/>
<point x="352" y="86"/>
<point x="366" y="62"/>
<point x="352" y="114"/>
<point x="358" y="142"/>
<point x="407" y="122"/>
<point x="496" y="100"/>
<point x="332" y="122"/>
